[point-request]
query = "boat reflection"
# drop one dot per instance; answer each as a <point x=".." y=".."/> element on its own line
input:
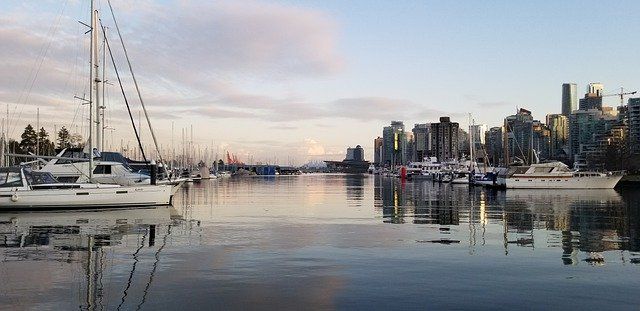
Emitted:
<point x="588" y="221"/>
<point x="81" y="238"/>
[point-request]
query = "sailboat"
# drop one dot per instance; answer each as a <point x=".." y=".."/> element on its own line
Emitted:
<point x="21" y="188"/>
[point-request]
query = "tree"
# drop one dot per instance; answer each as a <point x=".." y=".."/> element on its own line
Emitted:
<point x="76" y="140"/>
<point x="64" y="138"/>
<point x="45" y="145"/>
<point x="29" y="140"/>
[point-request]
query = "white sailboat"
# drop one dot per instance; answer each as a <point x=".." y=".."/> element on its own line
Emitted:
<point x="21" y="188"/>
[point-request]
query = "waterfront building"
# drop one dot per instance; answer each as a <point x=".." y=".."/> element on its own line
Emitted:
<point x="587" y="129"/>
<point x="477" y="132"/>
<point x="409" y="150"/>
<point x="519" y="132"/>
<point x="569" y="98"/>
<point x="444" y="139"/>
<point x="355" y="154"/>
<point x="353" y="162"/>
<point x="394" y="144"/>
<point x="610" y="111"/>
<point x="593" y="98"/>
<point x="421" y="141"/>
<point x="463" y="143"/>
<point x="493" y="143"/>
<point x="377" y="150"/>
<point x="541" y="140"/>
<point x="633" y="119"/>
<point x="558" y="125"/>
<point x="595" y="88"/>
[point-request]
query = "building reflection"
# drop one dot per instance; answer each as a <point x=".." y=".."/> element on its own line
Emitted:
<point x="81" y="238"/>
<point x="587" y="221"/>
<point x="355" y="188"/>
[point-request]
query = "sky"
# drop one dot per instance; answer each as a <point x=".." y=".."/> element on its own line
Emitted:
<point x="294" y="81"/>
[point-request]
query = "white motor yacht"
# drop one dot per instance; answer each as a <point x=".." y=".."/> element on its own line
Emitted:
<point x="557" y="175"/>
<point x="65" y="168"/>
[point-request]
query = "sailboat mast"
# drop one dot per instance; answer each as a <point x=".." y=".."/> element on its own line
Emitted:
<point x="471" y="141"/>
<point x="91" y="81"/>
<point x="96" y="79"/>
<point x="104" y="77"/>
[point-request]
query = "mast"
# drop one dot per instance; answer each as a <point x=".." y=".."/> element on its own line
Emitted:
<point x="91" y="81"/>
<point x="104" y="87"/>
<point x="38" y="132"/>
<point x="471" y="159"/>
<point x="96" y="79"/>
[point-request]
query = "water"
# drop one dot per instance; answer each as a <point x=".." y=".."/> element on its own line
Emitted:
<point x="330" y="242"/>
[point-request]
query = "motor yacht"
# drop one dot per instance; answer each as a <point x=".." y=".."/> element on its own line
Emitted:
<point x="557" y="175"/>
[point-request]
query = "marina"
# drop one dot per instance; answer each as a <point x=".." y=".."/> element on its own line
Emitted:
<point x="333" y="241"/>
<point x="321" y="155"/>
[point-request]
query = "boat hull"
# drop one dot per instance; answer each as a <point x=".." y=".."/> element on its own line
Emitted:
<point x="85" y="198"/>
<point x="594" y="182"/>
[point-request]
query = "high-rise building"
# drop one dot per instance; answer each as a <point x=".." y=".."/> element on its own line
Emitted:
<point x="493" y="142"/>
<point x="477" y="132"/>
<point x="595" y="88"/>
<point x="569" y="98"/>
<point x="409" y="150"/>
<point x="586" y="128"/>
<point x="377" y="150"/>
<point x="421" y="141"/>
<point x="519" y="134"/>
<point x="633" y="117"/>
<point x="444" y="139"/>
<point x="593" y="98"/>
<point x="394" y="144"/>
<point x="558" y="125"/>
<point x="541" y="140"/>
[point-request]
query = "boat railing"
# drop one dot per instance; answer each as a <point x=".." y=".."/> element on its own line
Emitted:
<point x="617" y="173"/>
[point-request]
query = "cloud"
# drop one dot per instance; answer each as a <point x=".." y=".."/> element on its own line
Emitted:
<point x="218" y="38"/>
<point x="313" y="147"/>
<point x="180" y="49"/>
<point x="283" y="127"/>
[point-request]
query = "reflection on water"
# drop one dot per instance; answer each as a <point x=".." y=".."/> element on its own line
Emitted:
<point x="328" y="241"/>
<point x="591" y="221"/>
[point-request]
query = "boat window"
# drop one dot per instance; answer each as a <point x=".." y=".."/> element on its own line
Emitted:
<point x="10" y="179"/>
<point x="72" y="154"/>
<point x="39" y="178"/>
<point x="102" y="169"/>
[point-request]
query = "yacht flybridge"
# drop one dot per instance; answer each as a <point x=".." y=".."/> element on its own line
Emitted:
<point x="557" y="175"/>
<point x="21" y="188"/>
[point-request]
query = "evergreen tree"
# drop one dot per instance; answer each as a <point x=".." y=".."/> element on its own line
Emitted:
<point x="29" y="140"/>
<point x="64" y="138"/>
<point x="46" y="146"/>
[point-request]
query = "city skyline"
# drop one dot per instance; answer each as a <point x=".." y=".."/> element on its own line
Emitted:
<point x="306" y="80"/>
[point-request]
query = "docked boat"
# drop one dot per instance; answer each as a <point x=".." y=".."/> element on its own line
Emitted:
<point x="73" y="166"/>
<point x="557" y="175"/>
<point x="425" y="169"/>
<point x="22" y="188"/>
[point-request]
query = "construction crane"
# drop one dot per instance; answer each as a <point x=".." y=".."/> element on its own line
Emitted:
<point x="622" y="94"/>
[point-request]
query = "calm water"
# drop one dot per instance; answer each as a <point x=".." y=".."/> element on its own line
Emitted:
<point x="331" y="242"/>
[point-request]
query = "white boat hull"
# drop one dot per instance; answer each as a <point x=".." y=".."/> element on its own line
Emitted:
<point x="463" y="180"/>
<point x="592" y="182"/>
<point x="85" y="198"/>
